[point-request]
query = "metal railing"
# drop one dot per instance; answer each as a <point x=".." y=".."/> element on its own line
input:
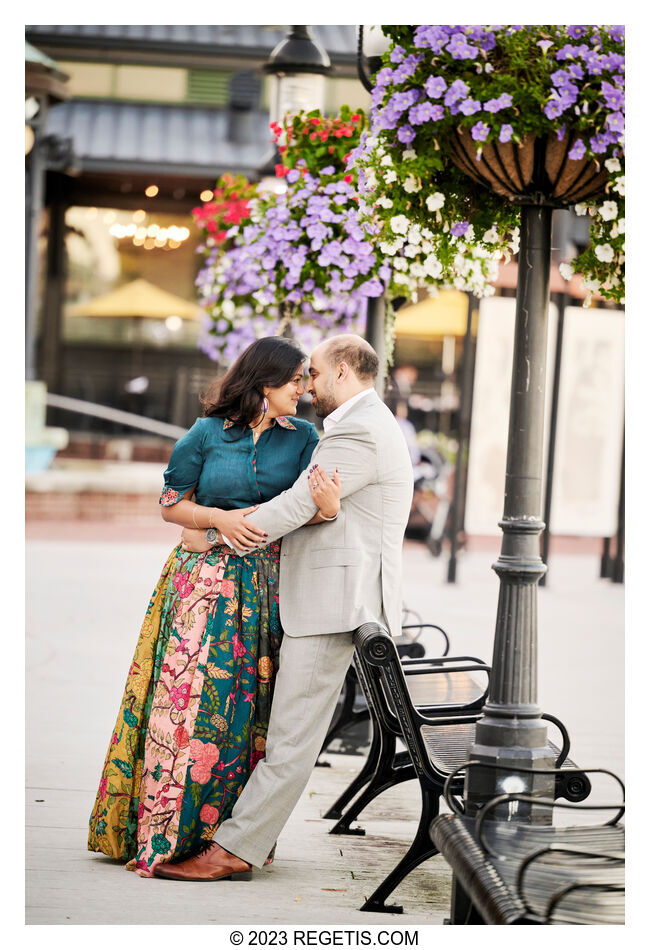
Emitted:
<point x="115" y="415"/>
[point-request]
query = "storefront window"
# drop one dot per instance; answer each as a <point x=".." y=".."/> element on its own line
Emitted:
<point x="130" y="279"/>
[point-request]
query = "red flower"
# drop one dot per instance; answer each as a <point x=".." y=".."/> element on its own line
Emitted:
<point x="282" y="149"/>
<point x="103" y="786"/>
<point x="345" y="157"/>
<point x="238" y="647"/>
<point x="313" y="136"/>
<point x="209" y="814"/>
<point x="347" y="178"/>
<point x="356" y="117"/>
<point x="324" y="136"/>
<point x="315" y="121"/>
<point x="281" y="171"/>
<point x="180" y="696"/>
<point x="181" y="736"/>
<point x="182" y="584"/>
<point x="330" y="149"/>
<point x="227" y="588"/>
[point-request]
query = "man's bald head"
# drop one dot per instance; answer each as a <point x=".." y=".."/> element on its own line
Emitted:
<point x="355" y="351"/>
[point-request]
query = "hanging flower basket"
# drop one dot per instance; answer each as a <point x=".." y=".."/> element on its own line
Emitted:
<point x="538" y="170"/>
<point x="470" y="122"/>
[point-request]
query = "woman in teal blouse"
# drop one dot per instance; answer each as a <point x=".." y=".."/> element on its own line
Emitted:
<point x="194" y="715"/>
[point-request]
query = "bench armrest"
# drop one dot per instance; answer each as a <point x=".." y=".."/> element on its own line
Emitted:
<point x="429" y="626"/>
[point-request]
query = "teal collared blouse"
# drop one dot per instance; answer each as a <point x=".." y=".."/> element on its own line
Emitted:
<point x="230" y="470"/>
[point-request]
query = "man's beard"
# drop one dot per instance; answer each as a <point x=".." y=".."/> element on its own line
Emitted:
<point x="324" y="405"/>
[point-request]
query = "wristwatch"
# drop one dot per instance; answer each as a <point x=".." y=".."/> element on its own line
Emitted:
<point x="212" y="536"/>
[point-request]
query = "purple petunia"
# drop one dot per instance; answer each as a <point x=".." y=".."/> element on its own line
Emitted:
<point x="457" y="90"/>
<point x="554" y="108"/>
<point x="615" y="121"/>
<point x="459" y="48"/>
<point x="425" y="112"/>
<point x="480" y="131"/>
<point x="577" y="32"/>
<point x="578" y="150"/>
<point x="405" y="134"/>
<point x="459" y="228"/>
<point x="495" y="105"/>
<point x="506" y="133"/>
<point x="617" y="33"/>
<point x="469" y="106"/>
<point x="435" y="86"/>
<point x="614" y="97"/>
<point x="397" y="54"/>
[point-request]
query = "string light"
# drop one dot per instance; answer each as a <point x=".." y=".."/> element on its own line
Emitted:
<point x="206" y="195"/>
<point x="151" y="191"/>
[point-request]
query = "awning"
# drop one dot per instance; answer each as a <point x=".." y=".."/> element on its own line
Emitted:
<point x="159" y="139"/>
<point x="434" y="318"/>
<point x="138" y="299"/>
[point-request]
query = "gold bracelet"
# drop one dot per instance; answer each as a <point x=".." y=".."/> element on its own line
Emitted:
<point x="210" y="518"/>
<point x="194" y="516"/>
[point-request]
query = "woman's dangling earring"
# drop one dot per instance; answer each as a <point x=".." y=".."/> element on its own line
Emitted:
<point x="265" y="405"/>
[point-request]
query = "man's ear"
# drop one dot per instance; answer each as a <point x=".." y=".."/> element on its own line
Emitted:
<point x="343" y="371"/>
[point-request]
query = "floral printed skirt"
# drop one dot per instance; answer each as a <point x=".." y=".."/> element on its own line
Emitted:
<point x="194" y="716"/>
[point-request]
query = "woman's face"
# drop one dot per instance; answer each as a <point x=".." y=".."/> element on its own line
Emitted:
<point x="283" y="400"/>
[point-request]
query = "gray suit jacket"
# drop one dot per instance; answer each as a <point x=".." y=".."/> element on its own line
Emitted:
<point x="340" y="574"/>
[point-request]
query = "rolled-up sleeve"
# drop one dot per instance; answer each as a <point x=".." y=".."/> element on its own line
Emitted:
<point x="185" y="465"/>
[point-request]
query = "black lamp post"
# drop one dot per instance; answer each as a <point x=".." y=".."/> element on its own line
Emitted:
<point x="511" y="732"/>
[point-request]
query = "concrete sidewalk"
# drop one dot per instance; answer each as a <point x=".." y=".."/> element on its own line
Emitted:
<point x="85" y="602"/>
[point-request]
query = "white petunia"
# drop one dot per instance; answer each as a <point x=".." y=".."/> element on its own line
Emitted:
<point x="384" y="202"/>
<point x="390" y="176"/>
<point x="491" y="236"/>
<point x="608" y="210"/>
<point x="399" y="224"/>
<point x="400" y="264"/>
<point x="411" y="185"/>
<point x="435" y="201"/>
<point x="411" y="250"/>
<point x="409" y="154"/>
<point x="613" y="165"/>
<point x="620" y="224"/>
<point x="619" y="185"/>
<point x="604" y="253"/>
<point x="427" y="233"/>
<point x="432" y="266"/>
<point x="414" y="236"/>
<point x="386" y="160"/>
<point x="391" y="247"/>
<point x="581" y="208"/>
<point x="566" y="270"/>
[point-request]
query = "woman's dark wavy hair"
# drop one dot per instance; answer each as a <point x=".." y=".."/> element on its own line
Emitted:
<point x="271" y="361"/>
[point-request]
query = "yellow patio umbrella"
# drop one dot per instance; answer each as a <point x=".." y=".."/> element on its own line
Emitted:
<point x="138" y="299"/>
<point x="441" y="316"/>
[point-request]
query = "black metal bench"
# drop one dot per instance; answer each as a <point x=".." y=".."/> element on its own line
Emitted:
<point x="352" y="709"/>
<point x="437" y="724"/>
<point x="384" y="766"/>
<point x="510" y="872"/>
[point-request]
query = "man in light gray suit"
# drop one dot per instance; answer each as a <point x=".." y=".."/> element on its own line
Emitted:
<point x="333" y="578"/>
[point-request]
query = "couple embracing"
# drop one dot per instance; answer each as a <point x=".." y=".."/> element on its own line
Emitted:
<point x="247" y="639"/>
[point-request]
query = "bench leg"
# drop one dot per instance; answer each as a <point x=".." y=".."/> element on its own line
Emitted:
<point x="405" y="774"/>
<point x="421" y="849"/>
<point x="364" y="776"/>
<point x="462" y="909"/>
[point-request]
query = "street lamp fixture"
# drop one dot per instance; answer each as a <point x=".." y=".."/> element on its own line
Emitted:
<point x="297" y="70"/>
<point x="371" y="45"/>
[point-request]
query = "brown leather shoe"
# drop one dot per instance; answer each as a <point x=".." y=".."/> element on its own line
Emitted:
<point x="214" y="864"/>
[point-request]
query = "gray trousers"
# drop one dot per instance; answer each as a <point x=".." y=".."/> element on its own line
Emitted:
<point x="309" y="680"/>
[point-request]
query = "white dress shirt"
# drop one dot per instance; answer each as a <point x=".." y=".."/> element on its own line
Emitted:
<point x="341" y="410"/>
